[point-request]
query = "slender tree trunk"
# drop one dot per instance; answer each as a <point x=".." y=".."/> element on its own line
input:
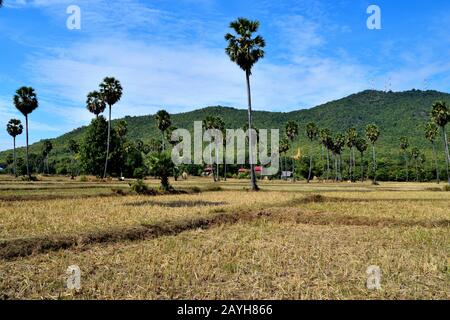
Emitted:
<point x="28" y="166"/>
<point x="293" y="170"/>
<point x="310" y="167"/>
<point x="336" y="177"/>
<point x="328" y="164"/>
<point x="212" y="163"/>
<point x="225" y="169"/>
<point x="107" y="144"/>
<point x="281" y="166"/>
<point x="447" y="155"/>
<point x="163" y="141"/>
<point x="14" y="157"/>
<point x="354" y="164"/>
<point x="350" y="165"/>
<point x="250" y="120"/>
<point x="436" y="163"/>
<point x="362" y="167"/>
<point x="407" y="166"/>
<point x="374" y="164"/>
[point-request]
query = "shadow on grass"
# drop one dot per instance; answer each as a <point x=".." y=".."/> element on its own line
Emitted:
<point x="176" y="204"/>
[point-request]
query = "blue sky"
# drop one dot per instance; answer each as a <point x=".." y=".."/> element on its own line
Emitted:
<point x="170" y="54"/>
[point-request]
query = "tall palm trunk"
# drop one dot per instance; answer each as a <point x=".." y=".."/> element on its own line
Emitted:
<point x="447" y="154"/>
<point x="107" y="144"/>
<point x="436" y="163"/>
<point x="250" y="120"/>
<point x="328" y="164"/>
<point x="217" y="166"/>
<point x="28" y="166"/>
<point x="350" y="165"/>
<point x="293" y="170"/>
<point x="310" y="166"/>
<point x="212" y="163"/>
<point x="374" y="164"/>
<point x="14" y="156"/>
<point x="406" y="165"/>
<point x="362" y="167"/>
<point x="354" y="164"/>
<point x="225" y="169"/>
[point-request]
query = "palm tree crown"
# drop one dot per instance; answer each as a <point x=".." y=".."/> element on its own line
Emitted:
<point x="311" y="131"/>
<point x="25" y="100"/>
<point x="111" y="90"/>
<point x="440" y="113"/>
<point x="242" y="48"/>
<point x="361" y="145"/>
<point x="163" y="120"/>
<point x="95" y="103"/>
<point x="431" y="131"/>
<point x="14" y="128"/>
<point x="372" y="133"/>
<point x="291" y="130"/>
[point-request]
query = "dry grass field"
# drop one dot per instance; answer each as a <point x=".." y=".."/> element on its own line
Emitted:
<point x="289" y="241"/>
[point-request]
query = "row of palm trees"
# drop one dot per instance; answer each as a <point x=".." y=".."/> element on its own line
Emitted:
<point x="334" y="147"/>
<point x="25" y="100"/>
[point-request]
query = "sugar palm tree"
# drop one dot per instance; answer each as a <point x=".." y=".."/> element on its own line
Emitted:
<point x="14" y="129"/>
<point x="47" y="147"/>
<point x="208" y="124"/>
<point x="246" y="50"/>
<point x="25" y="100"/>
<point x="284" y="148"/>
<point x="95" y="103"/>
<point x="111" y="91"/>
<point x="361" y="145"/>
<point x="441" y="116"/>
<point x="415" y="153"/>
<point x="324" y="135"/>
<point x="404" y="145"/>
<point x="431" y="132"/>
<point x="339" y="143"/>
<point x="218" y="124"/>
<point x="373" y="133"/>
<point x="311" y="133"/>
<point x="291" y="130"/>
<point x="163" y="122"/>
<point x="351" y="138"/>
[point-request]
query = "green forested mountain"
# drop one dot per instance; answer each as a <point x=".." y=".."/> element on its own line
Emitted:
<point x="396" y="113"/>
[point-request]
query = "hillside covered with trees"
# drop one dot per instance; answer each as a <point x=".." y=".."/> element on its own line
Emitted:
<point x="397" y="114"/>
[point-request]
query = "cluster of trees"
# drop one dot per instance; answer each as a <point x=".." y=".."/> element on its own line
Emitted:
<point x="332" y="147"/>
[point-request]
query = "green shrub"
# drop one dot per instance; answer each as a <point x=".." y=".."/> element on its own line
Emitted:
<point x="139" y="187"/>
<point x="139" y="173"/>
<point x="83" y="179"/>
<point x="30" y="178"/>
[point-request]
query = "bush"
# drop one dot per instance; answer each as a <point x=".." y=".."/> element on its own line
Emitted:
<point x="139" y="173"/>
<point x="83" y="179"/>
<point x="446" y="188"/>
<point x="139" y="187"/>
<point x="30" y="178"/>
